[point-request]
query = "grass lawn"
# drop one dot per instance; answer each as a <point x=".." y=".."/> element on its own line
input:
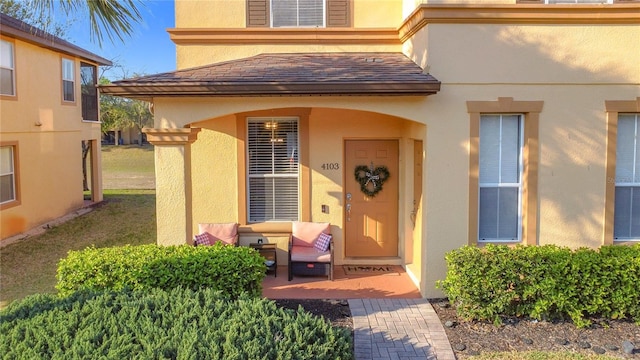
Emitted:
<point x="128" y="167"/>
<point x="125" y="217"/>
<point x="29" y="266"/>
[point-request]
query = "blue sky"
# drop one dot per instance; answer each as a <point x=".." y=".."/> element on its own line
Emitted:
<point x="148" y="51"/>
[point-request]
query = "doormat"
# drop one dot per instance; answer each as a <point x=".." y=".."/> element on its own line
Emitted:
<point x="370" y="270"/>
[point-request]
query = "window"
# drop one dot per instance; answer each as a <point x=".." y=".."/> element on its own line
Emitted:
<point x="68" y="82"/>
<point x="7" y="69"/>
<point x="89" y="97"/>
<point x="7" y="175"/>
<point x="272" y="153"/>
<point x="500" y="185"/>
<point x="626" y="221"/>
<point x="297" y="13"/>
<point x="503" y="160"/>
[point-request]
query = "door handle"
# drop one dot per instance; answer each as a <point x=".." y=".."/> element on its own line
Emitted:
<point x="348" y="212"/>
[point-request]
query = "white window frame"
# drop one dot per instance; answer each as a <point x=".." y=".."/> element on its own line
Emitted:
<point x="274" y="174"/>
<point x="69" y="76"/>
<point x="11" y="172"/>
<point x="11" y="67"/>
<point x="272" y="16"/>
<point x="634" y="181"/>
<point x="501" y="184"/>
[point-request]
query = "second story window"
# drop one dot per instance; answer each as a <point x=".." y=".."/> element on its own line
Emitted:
<point x="297" y="13"/>
<point x="68" y="80"/>
<point x="89" y="99"/>
<point x="7" y="70"/>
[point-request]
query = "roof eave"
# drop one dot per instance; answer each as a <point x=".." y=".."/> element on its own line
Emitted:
<point x="51" y="44"/>
<point x="272" y="89"/>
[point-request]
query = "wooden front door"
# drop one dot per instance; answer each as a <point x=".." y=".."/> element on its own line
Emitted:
<point x="371" y="222"/>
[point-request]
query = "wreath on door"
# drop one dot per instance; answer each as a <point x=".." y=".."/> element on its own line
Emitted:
<point x="371" y="179"/>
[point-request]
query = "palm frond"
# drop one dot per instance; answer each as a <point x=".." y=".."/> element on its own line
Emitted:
<point x="113" y="18"/>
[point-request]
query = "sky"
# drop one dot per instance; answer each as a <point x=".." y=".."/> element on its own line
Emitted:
<point x="148" y="51"/>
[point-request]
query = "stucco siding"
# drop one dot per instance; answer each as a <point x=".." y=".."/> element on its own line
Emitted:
<point x="529" y="54"/>
<point x="200" y="55"/>
<point x="47" y="134"/>
<point x="215" y="174"/>
<point x="232" y="13"/>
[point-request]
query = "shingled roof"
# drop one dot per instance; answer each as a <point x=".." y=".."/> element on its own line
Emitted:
<point x="288" y="74"/>
<point x="18" y="29"/>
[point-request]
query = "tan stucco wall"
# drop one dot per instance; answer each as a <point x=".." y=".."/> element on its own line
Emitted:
<point x="172" y="166"/>
<point x="594" y="64"/>
<point x="572" y="69"/>
<point x="529" y="54"/>
<point x="232" y="13"/>
<point x="199" y="55"/>
<point x="49" y="136"/>
<point x="215" y="161"/>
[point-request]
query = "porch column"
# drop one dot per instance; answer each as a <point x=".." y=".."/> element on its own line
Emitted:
<point x="172" y="150"/>
<point x="96" y="177"/>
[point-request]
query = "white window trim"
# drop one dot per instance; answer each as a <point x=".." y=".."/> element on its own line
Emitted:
<point x="519" y="185"/>
<point x="12" y="68"/>
<point x="72" y="80"/>
<point x="323" y="25"/>
<point x="12" y="173"/>
<point x="248" y="165"/>
<point x="629" y="183"/>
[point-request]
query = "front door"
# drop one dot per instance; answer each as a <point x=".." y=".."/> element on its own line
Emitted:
<point x="371" y="220"/>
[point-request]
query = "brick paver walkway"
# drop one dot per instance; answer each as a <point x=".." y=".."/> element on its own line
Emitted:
<point x="398" y="329"/>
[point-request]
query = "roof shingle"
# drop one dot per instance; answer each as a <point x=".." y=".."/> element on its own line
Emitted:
<point x="19" y="29"/>
<point x="293" y="74"/>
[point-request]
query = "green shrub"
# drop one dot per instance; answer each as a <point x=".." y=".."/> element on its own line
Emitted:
<point x="232" y="270"/>
<point x="158" y="324"/>
<point x="544" y="282"/>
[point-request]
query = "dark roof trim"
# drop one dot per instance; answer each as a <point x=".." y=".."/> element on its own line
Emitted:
<point x="17" y="29"/>
<point x="271" y="89"/>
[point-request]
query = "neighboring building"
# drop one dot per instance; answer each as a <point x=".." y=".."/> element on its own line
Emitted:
<point x="510" y="122"/>
<point x="126" y="136"/>
<point x="48" y="108"/>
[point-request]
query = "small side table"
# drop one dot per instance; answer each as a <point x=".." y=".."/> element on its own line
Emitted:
<point x="268" y="252"/>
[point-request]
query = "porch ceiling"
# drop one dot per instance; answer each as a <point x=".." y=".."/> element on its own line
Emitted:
<point x="288" y="74"/>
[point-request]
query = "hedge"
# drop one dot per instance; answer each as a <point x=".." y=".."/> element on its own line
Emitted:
<point x="159" y="324"/>
<point x="231" y="270"/>
<point x="544" y="282"/>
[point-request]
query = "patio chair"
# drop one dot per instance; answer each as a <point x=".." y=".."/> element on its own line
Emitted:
<point x="310" y="249"/>
<point x="209" y="234"/>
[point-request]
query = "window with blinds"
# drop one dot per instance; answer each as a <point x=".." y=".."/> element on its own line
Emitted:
<point x="297" y="13"/>
<point x="7" y="175"/>
<point x="7" y="69"/>
<point x="272" y="153"/>
<point x="68" y="80"/>
<point x="626" y="219"/>
<point x="500" y="180"/>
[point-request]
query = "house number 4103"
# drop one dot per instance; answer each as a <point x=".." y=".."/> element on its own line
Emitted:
<point x="330" y="166"/>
